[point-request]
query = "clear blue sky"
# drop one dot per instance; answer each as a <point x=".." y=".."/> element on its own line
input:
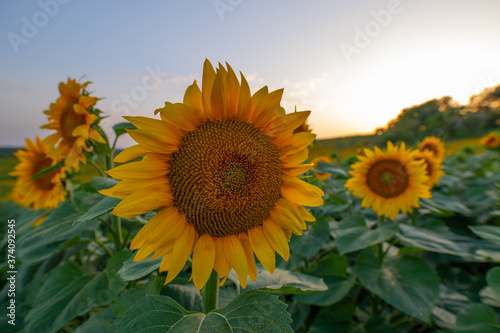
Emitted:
<point x="355" y="64"/>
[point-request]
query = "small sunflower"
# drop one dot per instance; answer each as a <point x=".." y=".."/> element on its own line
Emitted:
<point x="71" y="118"/>
<point x="433" y="166"/>
<point x="221" y="169"/>
<point x="492" y="140"/>
<point x="321" y="175"/>
<point x="389" y="181"/>
<point x="44" y="192"/>
<point x="435" y="145"/>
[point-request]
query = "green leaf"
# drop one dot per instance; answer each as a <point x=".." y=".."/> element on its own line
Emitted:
<point x="133" y="270"/>
<point x="103" y="183"/>
<point x="353" y="234"/>
<point x="312" y="240"/>
<point x="332" y="269"/>
<point x="186" y="295"/>
<point x="106" y="205"/>
<point x="108" y="319"/>
<point x="252" y="311"/>
<point x="338" y="287"/>
<point x="489" y="297"/>
<point x="286" y="282"/>
<point x="71" y="292"/>
<point x="121" y="128"/>
<point x="477" y="318"/>
<point x="48" y="170"/>
<point x="489" y="232"/>
<point x="43" y="242"/>
<point x="330" y="168"/>
<point x="493" y="279"/>
<point x="431" y="241"/>
<point x="407" y="283"/>
<point x="445" y="205"/>
<point x="336" y="318"/>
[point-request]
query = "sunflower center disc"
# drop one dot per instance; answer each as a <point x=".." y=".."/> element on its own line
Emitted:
<point x="225" y="177"/>
<point x="429" y="146"/>
<point x="387" y="178"/>
<point x="68" y="122"/>
<point x="44" y="182"/>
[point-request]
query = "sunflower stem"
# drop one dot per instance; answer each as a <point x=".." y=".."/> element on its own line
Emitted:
<point x="413" y="216"/>
<point x="98" y="169"/>
<point x="211" y="293"/>
<point x="118" y="236"/>
<point x="108" y="160"/>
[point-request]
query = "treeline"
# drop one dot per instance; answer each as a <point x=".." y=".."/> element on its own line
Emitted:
<point x="445" y="118"/>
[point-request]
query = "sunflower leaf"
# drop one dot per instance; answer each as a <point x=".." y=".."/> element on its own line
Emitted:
<point x="133" y="270"/>
<point x="407" y="283"/>
<point x="477" y="318"/>
<point x="286" y="282"/>
<point x="489" y="232"/>
<point x="48" y="170"/>
<point x="252" y="311"/>
<point x="106" y="205"/>
<point x="70" y="292"/>
<point x="353" y="234"/>
<point x="121" y="128"/>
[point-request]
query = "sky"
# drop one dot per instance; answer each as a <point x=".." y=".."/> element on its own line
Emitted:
<point x="354" y="64"/>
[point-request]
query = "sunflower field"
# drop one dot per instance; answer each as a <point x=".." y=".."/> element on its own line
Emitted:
<point x="217" y="220"/>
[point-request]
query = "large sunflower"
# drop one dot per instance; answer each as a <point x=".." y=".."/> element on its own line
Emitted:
<point x="389" y="181"/>
<point x="435" y="145"/>
<point x="492" y="140"/>
<point x="433" y="166"/>
<point x="43" y="192"/>
<point x="221" y="169"/>
<point x="71" y="118"/>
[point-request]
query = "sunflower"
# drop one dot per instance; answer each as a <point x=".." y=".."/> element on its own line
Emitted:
<point x="492" y="140"/>
<point x="321" y="175"/>
<point x="43" y="192"/>
<point x="71" y="118"/>
<point x="389" y="181"/>
<point x="433" y="166"/>
<point x="221" y="170"/>
<point x="435" y="145"/>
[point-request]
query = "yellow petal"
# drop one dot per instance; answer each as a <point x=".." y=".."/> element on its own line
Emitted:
<point x="168" y="219"/>
<point x="244" y="100"/>
<point x="145" y="169"/>
<point x="203" y="260"/>
<point x="294" y="159"/>
<point x="285" y="125"/>
<point x="232" y="93"/>
<point x="297" y="170"/>
<point x="237" y="258"/>
<point x="252" y="268"/>
<point x="206" y="87"/>
<point x="262" y="249"/>
<point x="217" y="99"/>
<point x="258" y="97"/>
<point x="276" y="238"/>
<point x="193" y="99"/>
<point x="131" y="153"/>
<point x="182" y="249"/>
<point x="288" y="145"/>
<point x="128" y="187"/>
<point x="94" y="135"/>
<point x="266" y="110"/>
<point x="179" y="115"/>
<point x="304" y="213"/>
<point x="300" y="192"/>
<point x="221" y="265"/>
<point x="155" y="141"/>
<point x="285" y="219"/>
<point x="143" y="201"/>
<point x="156" y="125"/>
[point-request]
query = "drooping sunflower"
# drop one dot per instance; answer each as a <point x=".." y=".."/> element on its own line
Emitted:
<point x="46" y="191"/>
<point x="492" y="140"/>
<point x="433" y="166"/>
<point x="71" y="118"/>
<point x="389" y="181"/>
<point x="221" y="170"/>
<point x="435" y="145"/>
